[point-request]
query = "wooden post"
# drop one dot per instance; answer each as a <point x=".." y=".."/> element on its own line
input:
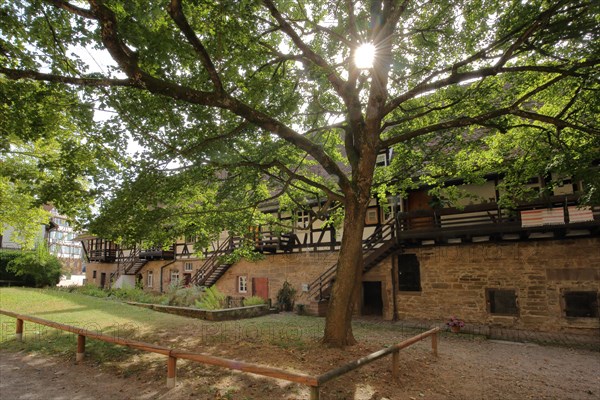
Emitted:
<point x="80" y="348"/>
<point x="314" y="393"/>
<point x="434" y="344"/>
<point x="396" y="364"/>
<point x="19" y="332"/>
<point x="171" y="372"/>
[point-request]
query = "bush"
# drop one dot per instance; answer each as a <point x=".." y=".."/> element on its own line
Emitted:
<point x="254" y="301"/>
<point x="178" y="295"/>
<point x="39" y="267"/>
<point x="133" y="294"/>
<point x="212" y="299"/>
<point x="92" y="290"/>
<point x="286" y="297"/>
<point x="6" y="256"/>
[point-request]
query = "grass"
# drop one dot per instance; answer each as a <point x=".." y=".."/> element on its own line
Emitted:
<point x="112" y="317"/>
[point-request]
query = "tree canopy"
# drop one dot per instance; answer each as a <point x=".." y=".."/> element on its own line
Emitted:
<point x="52" y="153"/>
<point x="240" y="103"/>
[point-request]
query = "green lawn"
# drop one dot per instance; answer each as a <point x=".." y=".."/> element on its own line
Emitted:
<point x="116" y="318"/>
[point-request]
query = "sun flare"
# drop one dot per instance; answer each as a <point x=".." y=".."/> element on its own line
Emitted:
<point x="364" y="56"/>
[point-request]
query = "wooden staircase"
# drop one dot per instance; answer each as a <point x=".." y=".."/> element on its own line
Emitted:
<point x="213" y="268"/>
<point x="376" y="248"/>
<point x="130" y="265"/>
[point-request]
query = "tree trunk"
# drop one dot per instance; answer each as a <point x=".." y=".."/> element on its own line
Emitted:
<point x="338" y="324"/>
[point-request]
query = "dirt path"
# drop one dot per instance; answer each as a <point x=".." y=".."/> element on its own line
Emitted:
<point x="465" y="369"/>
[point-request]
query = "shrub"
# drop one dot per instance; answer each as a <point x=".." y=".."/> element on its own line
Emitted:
<point x="286" y="297"/>
<point x="177" y="295"/>
<point x="92" y="290"/>
<point x="133" y="294"/>
<point x="212" y="299"/>
<point x="39" y="267"/>
<point x="254" y="301"/>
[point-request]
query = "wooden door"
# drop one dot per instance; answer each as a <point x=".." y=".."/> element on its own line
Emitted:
<point x="419" y="202"/>
<point x="260" y="287"/>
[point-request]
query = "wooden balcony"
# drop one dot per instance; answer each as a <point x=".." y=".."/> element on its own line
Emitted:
<point x="555" y="217"/>
<point x="102" y="255"/>
<point x="157" y="253"/>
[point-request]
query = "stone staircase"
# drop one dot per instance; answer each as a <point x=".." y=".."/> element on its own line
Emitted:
<point x="376" y="248"/>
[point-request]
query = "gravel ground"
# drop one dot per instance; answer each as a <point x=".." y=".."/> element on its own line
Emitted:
<point x="466" y="368"/>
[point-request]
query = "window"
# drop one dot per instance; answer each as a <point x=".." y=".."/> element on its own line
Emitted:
<point x="302" y="219"/>
<point x="382" y="160"/>
<point x="191" y="239"/>
<point x="409" y="273"/>
<point x="372" y="217"/>
<point x="94" y="274"/>
<point x="581" y="304"/>
<point x="242" y="284"/>
<point x="188" y="266"/>
<point x="502" y="302"/>
<point x="150" y="279"/>
<point x="174" y="277"/>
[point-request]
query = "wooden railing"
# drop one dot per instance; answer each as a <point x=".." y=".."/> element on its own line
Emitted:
<point x="213" y="261"/>
<point x="314" y="382"/>
<point x="488" y="217"/>
<point x="384" y="233"/>
<point x="107" y="255"/>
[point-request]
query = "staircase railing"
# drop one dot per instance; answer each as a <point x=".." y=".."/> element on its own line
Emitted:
<point x="382" y="234"/>
<point x="213" y="262"/>
<point x="124" y="265"/>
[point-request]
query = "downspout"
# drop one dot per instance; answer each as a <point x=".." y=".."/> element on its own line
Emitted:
<point x="394" y="296"/>
<point x="161" y="272"/>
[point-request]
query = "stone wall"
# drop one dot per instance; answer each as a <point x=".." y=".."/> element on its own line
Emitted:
<point x="299" y="269"/>
<point x="454" y="280"/>
<point x="98" y="268"/>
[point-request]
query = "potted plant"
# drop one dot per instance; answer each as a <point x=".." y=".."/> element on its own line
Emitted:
<point x="455" y="324"/>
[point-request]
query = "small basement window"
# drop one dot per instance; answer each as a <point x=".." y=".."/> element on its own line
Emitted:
<point x="502" y="302"/>
<point x="581" y="304"/>
<point x="409" y="273"/>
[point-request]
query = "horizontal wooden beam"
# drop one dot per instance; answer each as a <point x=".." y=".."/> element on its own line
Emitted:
<point x="99" y="336"/>
<point x="247" y="367"/>
<point x="313" y="381"/>
<point x="335" y="373"/>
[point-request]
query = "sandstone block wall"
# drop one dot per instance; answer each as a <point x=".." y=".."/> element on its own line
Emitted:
<point x="298" y="269"/>
<point x="454" y="280"/>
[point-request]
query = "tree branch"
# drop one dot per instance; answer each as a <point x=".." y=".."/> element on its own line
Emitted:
<point x="176" y="12"/>
<point x="338" y="83"/>
<point x="90" y="82"/>
<point x="559" y="123"/>
<point x="456" y="78"/>
<point x="65" y="5"/>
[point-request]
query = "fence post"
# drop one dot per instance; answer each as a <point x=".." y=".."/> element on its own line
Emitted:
<point x="171" y="372"/>
<point x="314" y="393"/>
<point x="434" y="344"/>
<point x="19" y="332"/>
<point x="80" y="348"/>
<point x="396" y="364"/>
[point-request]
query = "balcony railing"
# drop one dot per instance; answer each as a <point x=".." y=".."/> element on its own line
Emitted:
<point x="157" y="253"/>
<point x="555" y="213"/>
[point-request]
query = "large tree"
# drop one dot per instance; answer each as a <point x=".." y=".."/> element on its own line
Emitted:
<point x="223" y="94"/>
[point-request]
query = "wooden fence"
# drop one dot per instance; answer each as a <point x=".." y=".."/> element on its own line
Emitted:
<point x="314" y="382"/>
